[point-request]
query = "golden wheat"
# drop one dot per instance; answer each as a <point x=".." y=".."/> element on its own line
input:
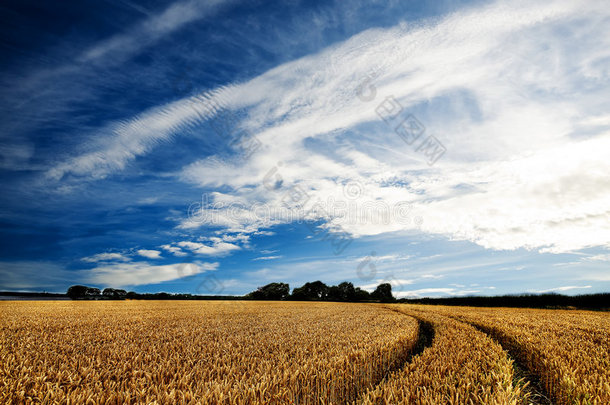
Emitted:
<point x="462" y="366"/>
<point x="294" y="353"/>
<point x="197" y="352"/>
<point x="568" y="349"/>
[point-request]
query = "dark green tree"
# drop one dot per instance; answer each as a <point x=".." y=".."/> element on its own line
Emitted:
<point x="77" y="292"/>
<point x="361" y="295"/>
<point x="82" y="292"/>
<point x="383" y="293"/>
<point x="315" y="291"/>
<point x="334" y="293"/>
<point x="93" y="292"/>
<point x="114" y="293"/>
<point x="272" y="291"/>
<point x="347" y="291"/>
<point x="132" y="295"/>
<point x="342" y="292"/>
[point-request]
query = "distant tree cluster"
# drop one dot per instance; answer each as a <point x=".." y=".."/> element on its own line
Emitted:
<point x="273" y="291"/>
<point x="318" y="291"/>
<point x="312" y="291"/>
<point x="345" y="292"/>
<point x="82" y="292"/>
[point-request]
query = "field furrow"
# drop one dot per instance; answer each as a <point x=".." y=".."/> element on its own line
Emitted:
<point x="569" y="350"/>
<point x="530" y="382"/>
<point x="461" y="366"/>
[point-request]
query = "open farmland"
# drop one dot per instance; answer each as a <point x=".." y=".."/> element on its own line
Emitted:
<point x="461" y="366"/>
<point x="568" y="350"/>
<point x="231" y="352"/>
<point x="197" y="352"/>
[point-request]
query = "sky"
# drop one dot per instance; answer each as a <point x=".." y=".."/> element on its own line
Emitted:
<point x="211" y="147"/>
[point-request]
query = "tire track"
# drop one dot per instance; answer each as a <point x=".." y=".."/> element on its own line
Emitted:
<point x="425" y="338"/>
<point x="530" y="381"/>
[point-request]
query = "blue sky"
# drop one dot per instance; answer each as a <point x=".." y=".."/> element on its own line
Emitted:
<point x="210" y="147"/>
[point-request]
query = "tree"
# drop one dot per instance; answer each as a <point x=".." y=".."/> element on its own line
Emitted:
<point x="272" y="291"/>
<point x="132" y="295"/>
<point x="114" y="293"/>
<point x="342" y="292"/>
<point x="347" y="291"/>
<point x="92" y="292"/>
<point x="315" y="291"/>
<point x="361" y="295"/>
<point x="77" y="291"/>
<point x="383" y="293"/>
<point x="334" y="293"/>
<point x="82" y="292"/>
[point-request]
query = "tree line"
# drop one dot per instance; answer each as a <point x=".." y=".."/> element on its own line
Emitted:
<point x="312" y="291"/>
<point x="346" y="292"/>
<point x="84" y="292"/>
<point x="318" y="291"/>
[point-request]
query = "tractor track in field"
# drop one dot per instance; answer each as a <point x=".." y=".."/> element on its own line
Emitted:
<point x="537" y="394"/>
<point x="424" y="340"/>
<point x="425" y="337"/>
<point x="524" y="377"/>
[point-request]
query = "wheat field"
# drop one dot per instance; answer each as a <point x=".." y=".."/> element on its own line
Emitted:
<point x="232" y="352"/>
<point x="568" y="349"/>
<point x="197" y="352"/>
<point x="462" y="366"/>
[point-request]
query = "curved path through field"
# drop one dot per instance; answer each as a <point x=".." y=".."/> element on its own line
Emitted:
<point x="568" y="349"/>
<point x="459" y="365"/>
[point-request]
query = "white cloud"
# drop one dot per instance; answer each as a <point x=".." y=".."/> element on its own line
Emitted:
<point x="459" y="290"/>
<point x="148" y="200"/>
<point x="386" y="258"/>
<point x="103" y="257"/>
<point x="268" y="258"/>
<point x="218" y="248"/>
<point x="598" y="258"/>
<point x="520" y="107"/>
<point x="396" y="283"/>
<point x="517" y="176"/>
<point x="149" y="31"/>
<point x="132" y="138"/>
<point x="51" y="90"/>
<point x="176" y="251"/>
<point x="564" y="288"/>
<point x="141" y="273"/>
<point x="422" y="292"/>
<point x="225" y="237"/>
<point x="151" y="254"/>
